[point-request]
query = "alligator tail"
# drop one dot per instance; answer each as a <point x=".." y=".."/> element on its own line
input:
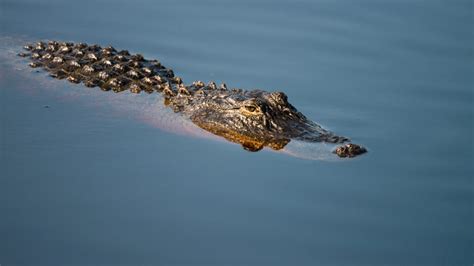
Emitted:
<point x="106" y="68"/>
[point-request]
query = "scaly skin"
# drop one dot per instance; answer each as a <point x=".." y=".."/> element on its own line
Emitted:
<point x="254" y="119"/>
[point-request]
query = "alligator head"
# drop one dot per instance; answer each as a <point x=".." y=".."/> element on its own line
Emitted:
<point x="254" y="119"/>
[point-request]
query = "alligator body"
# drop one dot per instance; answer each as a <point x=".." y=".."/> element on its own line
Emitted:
<point x="254" y="118"/>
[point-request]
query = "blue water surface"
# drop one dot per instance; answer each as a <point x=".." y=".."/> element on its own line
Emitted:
<point x="84" y="182"/>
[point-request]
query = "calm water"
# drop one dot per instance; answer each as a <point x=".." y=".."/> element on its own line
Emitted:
<point x="103" y="178"/>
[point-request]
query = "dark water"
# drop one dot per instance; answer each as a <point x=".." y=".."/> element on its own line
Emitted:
<point x="100" y="178"/>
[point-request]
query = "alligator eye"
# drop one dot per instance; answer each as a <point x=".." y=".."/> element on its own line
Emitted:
<point x="250" y="108"/>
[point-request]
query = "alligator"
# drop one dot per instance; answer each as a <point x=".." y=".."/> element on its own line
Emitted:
<point x="252" y="118"/>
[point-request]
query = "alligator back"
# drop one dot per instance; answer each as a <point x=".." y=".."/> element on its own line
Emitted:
<point x="106" y="67"/>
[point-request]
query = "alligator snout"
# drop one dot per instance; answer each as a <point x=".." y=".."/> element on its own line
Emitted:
<point x="349" y="150"/>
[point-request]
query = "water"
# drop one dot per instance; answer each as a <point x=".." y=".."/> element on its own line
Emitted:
<point x="103" y="178"/>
